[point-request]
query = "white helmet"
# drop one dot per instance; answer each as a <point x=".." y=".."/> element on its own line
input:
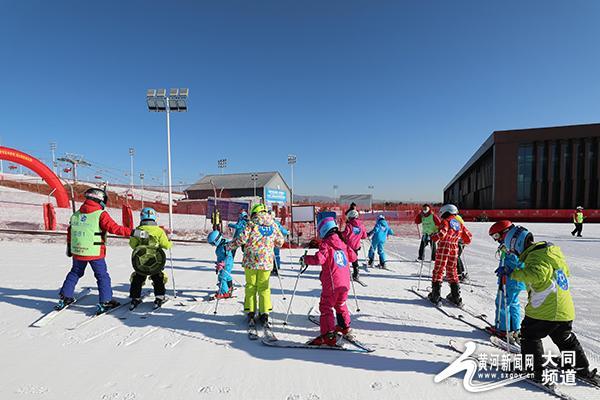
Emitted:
<point x="579" y="208"/>
<point x="448" y="208"/>
<point x="352" y="214"/>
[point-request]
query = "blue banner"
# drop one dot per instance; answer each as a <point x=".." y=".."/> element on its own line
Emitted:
<point x="275" y="196"/>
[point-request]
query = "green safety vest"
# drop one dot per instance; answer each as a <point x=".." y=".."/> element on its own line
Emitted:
<point x="86" y="236"/>
<point x="579" y="217"/>
<point x="428" y="224"/>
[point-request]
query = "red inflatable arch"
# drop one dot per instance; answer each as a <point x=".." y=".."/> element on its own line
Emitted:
<point x="18" y="157"/>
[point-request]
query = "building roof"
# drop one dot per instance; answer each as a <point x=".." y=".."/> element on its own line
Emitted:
<point x="234" y="181"/>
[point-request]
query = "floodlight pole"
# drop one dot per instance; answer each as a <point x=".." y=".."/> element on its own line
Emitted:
<point x="169" y="177"/>
<point x="131" y="153"/>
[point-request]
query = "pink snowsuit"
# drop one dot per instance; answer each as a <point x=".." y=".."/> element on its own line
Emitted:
<point x="335" y="257"/>
<point x="354" y="232"/>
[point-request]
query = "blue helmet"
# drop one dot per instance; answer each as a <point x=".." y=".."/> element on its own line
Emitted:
<point x="380" y="217"/>
<point x="325" y="225"/>
<point x="214" y="238"/>
<point x="148" y="214"/>
<point x="516" y="239"/>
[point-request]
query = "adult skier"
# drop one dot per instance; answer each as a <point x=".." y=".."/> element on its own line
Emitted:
<point x="379" y="235"/>
<point x="429" y="223"/>
<point x="513" y="288"/>
<point x="353" y="234"/>
<point x="451" y="230"/>
<point x="578" y="218"/>
<point x="223" y="266"/>
<point x="335" y="257"/>
<point x="86" y="238"/>
<point x="260" y="238"/>
<point x="149" y="259"/>
<point x="550" y="310"/>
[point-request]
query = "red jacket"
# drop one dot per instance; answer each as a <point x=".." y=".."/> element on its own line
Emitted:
<point x="420" y="215"/>
<point x="451" y="231"/>
<point x="107" y="224"/>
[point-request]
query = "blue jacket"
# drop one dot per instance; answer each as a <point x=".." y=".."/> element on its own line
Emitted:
<point x="224" y="255"/>
<point x="380" y="232"/>
<point x="239" y="226"/>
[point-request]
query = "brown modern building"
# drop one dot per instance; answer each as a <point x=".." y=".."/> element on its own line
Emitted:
<point x="541" y="168"/>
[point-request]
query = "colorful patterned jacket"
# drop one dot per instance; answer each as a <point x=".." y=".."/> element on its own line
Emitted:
<point x="260" y="238"/>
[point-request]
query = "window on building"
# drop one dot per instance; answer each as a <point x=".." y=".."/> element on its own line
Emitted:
<point x="555" y="151"/>
<point x="525" y="176"/>
<point x="543" y="175"/>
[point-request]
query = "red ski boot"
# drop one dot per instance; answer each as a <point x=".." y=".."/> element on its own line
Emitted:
<point x="328" y="339"/>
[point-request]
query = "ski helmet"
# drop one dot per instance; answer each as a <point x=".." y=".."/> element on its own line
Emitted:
<point x="352" y="214"/>
<point x="426" y="208"/>
<point x="244" y="214"/>
<point x="380" y="217"/>
<point x="148" y="214"/>
<point x="579" y="208"/>
<point x="516" y="239"/>
<point x="98" y="195"/>
<point x="325" y="225"/>
<point x="214" y="238"/>
<point x="257" y="208"/>
<point x="448" y="208"/>
<point x="499" y="229"/>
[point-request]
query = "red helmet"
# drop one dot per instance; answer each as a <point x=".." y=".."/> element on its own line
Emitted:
<point x="499" y="229"/>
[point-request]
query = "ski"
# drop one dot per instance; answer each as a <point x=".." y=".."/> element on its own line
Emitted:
<point x="351" y="340"/>
<point x="95" y="316"/>
<point x="268" y="333"/>
<point x="468" y="310"/>
<point x="553" y="390"/>
<point x="252" y="331"/>
<point x="360" y="282"/>
<point x="211" y="297"/>
<point x="49" y="316"/>
<point x="438" y="306"/>
<point x="295" y="345"/>
<point x="515" y="348"/>
<point x="155" y="309"/>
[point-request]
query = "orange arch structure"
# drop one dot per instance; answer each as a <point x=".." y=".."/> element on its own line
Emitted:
<point x="18" y="157"/>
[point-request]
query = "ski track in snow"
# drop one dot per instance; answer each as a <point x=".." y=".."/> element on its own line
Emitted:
<point x="187" y="352"/>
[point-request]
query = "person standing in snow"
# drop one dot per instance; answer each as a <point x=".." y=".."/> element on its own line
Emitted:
<point x="578" y="218"/>
<point x="277" y="259"/>
<point x="429" y="223"/>
<point x="513" y="288"/>
<point x="86" y="237"/>
<point x="379" y="235"/>
<point x="149" y="259"/>
<point x="239" y="226"/>
<point x="260" y="238"/>
<point x="353" y="234"/>
<point x="550" y="310"/>
<point x="335" y="257"/>
<point x="223" y="266"/>
<point x="451" y="230"/>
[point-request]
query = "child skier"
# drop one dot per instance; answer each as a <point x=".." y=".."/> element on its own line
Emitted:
<point x="429" y="222"/>
<point x="335" y="257"/>
<point x="550" y="310"/>
<point x="353" y="234"/>
<point x="260" y="238"/>
<point x="451" y="230"/>
<point x="86" y="244"/>
<point x="239" y="226"/>
<point x="223" y="266"/>
<point x="149" y="259"/>
<point x="513" y="288"/>
<point x="378" y="237"/>
<point x="277" y="260"/>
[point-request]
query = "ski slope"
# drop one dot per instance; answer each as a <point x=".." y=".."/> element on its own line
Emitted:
<point x="187" y="352"/>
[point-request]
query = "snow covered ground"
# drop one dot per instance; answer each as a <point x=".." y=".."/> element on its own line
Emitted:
<point x="187" y="352"/>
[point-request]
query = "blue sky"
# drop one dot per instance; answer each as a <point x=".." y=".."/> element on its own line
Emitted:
<point x="394" y="94"/>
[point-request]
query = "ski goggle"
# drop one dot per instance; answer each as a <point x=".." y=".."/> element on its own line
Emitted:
<point x="499" y="236"/>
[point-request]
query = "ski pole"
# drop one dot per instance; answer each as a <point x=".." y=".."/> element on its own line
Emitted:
<point x="354" y="291"/>
<point x="172" y="274"/>
<point x="506" y="316"/>
<point x="279" y="278"/>
<point x="420" y="274"/>
<point x="303" y="268"/>
<point x="216" y="306"/>
<point x="365" y="256"/>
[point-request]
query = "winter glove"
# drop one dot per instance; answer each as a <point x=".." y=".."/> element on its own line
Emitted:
<point x="68" y="251"/>
<point x="512" y="262"/>
<point x="140" y="234"/>
<point x="219" y="266"/>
